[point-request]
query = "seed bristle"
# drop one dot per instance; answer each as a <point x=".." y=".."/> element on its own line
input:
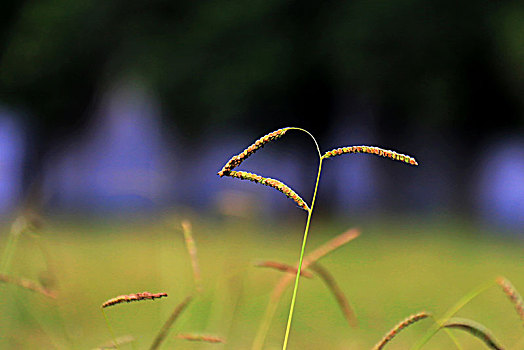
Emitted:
<point x="371" y="150"/>
<point x="393" y="332"/>
<point x="261" y="142"/>
<point x="475" y="329"/>
<point x="133" y="297"/>
<point x="276" y="184"/>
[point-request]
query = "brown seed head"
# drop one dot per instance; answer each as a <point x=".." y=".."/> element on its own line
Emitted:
<point x="371" y="150"/>
<point x="393" y="332"/>
<point x="239" y="158"/>
<point x="133" y="297"/>
<point x="513" y="295"/>
<point x="278" y="185"/>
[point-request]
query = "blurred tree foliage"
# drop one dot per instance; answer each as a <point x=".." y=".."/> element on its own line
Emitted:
<point x="435" y="63"/>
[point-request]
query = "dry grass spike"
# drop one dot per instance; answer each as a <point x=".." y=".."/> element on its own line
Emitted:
<point x="513" y="295"/>
<point x="266" y="181"/>
<point x="475" y="329"/>
<point x="406" y="322"/>
<point x="27" y="284"/>
<point x="192" y="250"/>
<point x="337" y="292"/>
<point x="133" y="297"/>
<point x="371" y="150"/>
<point x="114" y="344"/>
<point x="201" y="337"/>
<point x="239" y="158"/>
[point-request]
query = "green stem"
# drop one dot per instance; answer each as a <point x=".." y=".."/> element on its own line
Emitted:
<point x="452" y="311"/>
<point x="108" y="324"/>
<point x="297" y="278"/>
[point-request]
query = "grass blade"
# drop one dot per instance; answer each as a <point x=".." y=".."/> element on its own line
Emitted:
<point x="475" y="329"/>
<point x="169" y="323"/>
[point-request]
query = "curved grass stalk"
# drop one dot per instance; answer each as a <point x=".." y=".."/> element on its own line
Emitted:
<point x="452" y="311"/>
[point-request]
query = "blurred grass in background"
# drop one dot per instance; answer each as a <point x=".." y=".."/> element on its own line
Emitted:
<point x="395" y="268"/>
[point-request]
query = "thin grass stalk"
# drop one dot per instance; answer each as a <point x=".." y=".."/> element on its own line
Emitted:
<point x="133" y="297"/>
<point x="17" y="227"/>
<point x="452" y="311"/>
<point x="169" y="323"/>
<point x="475" y="329"/>
<point x="110" y="328"/>
<point x="302" y="250"/>
<point x="279" y="289"/>
<point x="341" y="299"/>
<point x="192" y="250"/>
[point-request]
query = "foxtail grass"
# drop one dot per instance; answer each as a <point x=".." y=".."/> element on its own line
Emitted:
<point x="133" y="297"/>
<point x="399" y="327"/>
<point x="227" y="170"/>
<point x="513" y="296"/>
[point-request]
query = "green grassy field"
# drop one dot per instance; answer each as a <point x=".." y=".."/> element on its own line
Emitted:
<point x="394" y="269"/>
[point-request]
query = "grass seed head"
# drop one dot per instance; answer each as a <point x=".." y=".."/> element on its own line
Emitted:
<point x="133" y="297"/>
<point x="371" y="150"/>
<point x="239" y="158"/>
<point x="393" y="332"/>
<point x="278" y="185"/>
<point x="201" y="337"/>
<point x="513" y="295"/>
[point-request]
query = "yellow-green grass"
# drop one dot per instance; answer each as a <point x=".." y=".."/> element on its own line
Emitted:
<point x="394" y="269"/>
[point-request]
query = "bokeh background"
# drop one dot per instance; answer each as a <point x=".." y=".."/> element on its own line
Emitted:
<point x="124" y="111"/>
<point x="135" y="105"/>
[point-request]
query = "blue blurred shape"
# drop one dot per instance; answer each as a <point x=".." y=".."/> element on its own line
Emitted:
<point x="500" y="187"/>
<point x="12" y="150"/>
<point x="123" y="162"/>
